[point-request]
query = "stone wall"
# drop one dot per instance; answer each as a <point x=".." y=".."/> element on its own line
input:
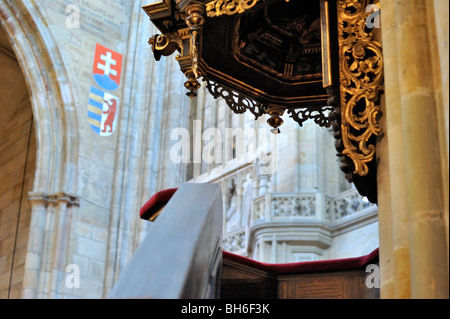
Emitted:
<point x="88" y="184"/>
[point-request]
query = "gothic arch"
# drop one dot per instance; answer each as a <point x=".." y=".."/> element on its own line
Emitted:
<point x="54" y="193"/>
<point x="51" y="98"/>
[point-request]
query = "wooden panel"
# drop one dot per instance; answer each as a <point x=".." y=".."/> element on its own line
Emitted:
<point x="241" y="282"/>
<point x="312" y="286"/>
<point x="330" y="285"/>
<point x="244" y="282"/>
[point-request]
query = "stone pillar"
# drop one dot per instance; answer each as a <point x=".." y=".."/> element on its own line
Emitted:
<point x="440" y="16"/>
<point x="273" y="250"/>
<point x="48" y="246"/>
<point x="34" y="251"/>
<point x="263" y="184"/>
<point x="320" y="207"/>
<point x="268" y="207"/>
<point x="239" y="198"/>
<point x="423" y="169"/>
<point x="384" y="215"/>
<point x="174" y="115"/>
<point x="395" y="158"/>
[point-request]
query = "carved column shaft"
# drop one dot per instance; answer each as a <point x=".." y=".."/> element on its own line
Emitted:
<point x="424" y="185"/>
<point x="400" y="257"/>
<point x="413" y="245"/>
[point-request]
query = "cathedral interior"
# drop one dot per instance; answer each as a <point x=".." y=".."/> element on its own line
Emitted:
<point x="280" y="149"/>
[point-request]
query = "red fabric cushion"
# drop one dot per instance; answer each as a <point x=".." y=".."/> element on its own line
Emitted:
<point x="156" y="202"/>
<point x="306" y="266"/>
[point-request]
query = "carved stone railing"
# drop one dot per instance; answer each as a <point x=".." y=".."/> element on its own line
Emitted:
<point x="346" y="204"/>
<point x="309" y="217"/>
<point x="308" y="205"/>
<point x="235" y="241"/>
<point x="293" y="205"/>
<point x="259" y="207"/>
<point x="285" y="205"/>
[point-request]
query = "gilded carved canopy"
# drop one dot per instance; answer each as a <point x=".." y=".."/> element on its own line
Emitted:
<point x="316" y="60"/>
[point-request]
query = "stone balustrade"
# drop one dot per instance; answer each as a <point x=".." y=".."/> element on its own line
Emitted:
<point x="310" y="205"/>
<point x="236" y="240"/>
<point x="291" y="206"/>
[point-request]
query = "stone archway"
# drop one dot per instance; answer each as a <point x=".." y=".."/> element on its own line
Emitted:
<point x="17" y="166"/>
<point x="52" y="194"/>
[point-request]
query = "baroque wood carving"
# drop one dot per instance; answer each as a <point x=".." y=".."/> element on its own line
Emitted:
<point x="318" y="60"/>
<point x="229" y="7"/>
<point x="361" y="83"/>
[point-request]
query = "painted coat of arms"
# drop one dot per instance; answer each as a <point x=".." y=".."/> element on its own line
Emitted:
<point x="102" y="112"/>
<point x="103" y="106"/>
<point x="107" y="68"/>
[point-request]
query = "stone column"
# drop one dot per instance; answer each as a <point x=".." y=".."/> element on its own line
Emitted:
<point x="263" y="184"/>
<point x="440" y="16"/>
<point x="174" y="115"/>
<point x="395" y="158"/>
<point x="423" y="171"/>
<point x="34" y="251"/>
<point x="385" y="217"/>
<point x="320" y="207"/>
<point x="239" y="198"/>
<point x="273" y="250"/>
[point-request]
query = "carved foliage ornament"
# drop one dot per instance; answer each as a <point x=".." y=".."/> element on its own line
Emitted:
<point x="361" y="83"/>
<point x="237" y="102"/>
<point x="229" y="7"/>
<point x="317" y="113"/>
<point x="360" y="71"/>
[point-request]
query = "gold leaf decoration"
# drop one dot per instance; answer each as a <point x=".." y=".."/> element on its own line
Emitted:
<point x="361" y="83"/>
<point x="228" y="7"/>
